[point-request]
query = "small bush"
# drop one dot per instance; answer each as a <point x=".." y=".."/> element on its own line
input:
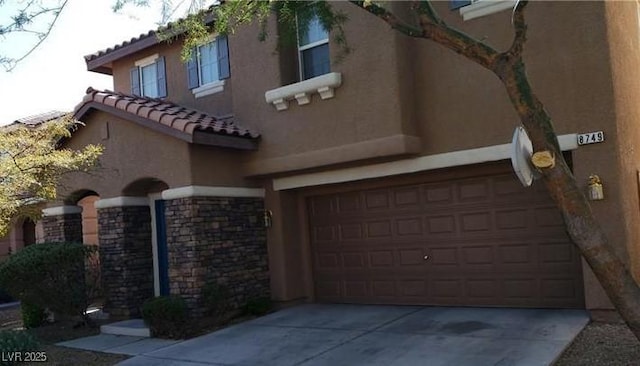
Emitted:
<point x="49" y="275"/>
<point x="33" y="316"/>
<point x="166" y="316"/>
<point x="16" y="341"/>
<point x="216" y="298"/>
<point x="258" y="306"/>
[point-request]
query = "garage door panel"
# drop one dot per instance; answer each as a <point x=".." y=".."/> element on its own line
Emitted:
<point x="324" y="234"/>
<point x="485" y="289"/>
<point x="407" y="198"/>
<point x="515" y="219"/>
<point x="381" y="258"/>
<point x="438" y="194"/>
<point x="413" y="288"/>
<point x="376" y="200"/>
<point x="445" y="289"/>
<point x="351" y="231"/>
<point x="410" y="226"/>
<point x="475" y="190"/>
<point x="483" y="241"/>
<point x="441" y="225"/>
<point x="473" y="222"/>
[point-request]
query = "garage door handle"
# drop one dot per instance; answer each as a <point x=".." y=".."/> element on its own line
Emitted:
<point x="426" y="257"/>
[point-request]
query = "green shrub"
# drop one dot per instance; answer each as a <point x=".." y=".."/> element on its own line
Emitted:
<point x="166" y="316"/>
<point x="258" y="306"/>
<point x="32" y="315"/>
<point x="16" y="341"/>
<point x="216" y="298"/>
<point x="49" y="275"/>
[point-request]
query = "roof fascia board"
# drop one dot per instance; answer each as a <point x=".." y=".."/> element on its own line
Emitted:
<point x="131" y="48"/>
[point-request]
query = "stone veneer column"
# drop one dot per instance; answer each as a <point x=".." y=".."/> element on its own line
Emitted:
<point x="62" y="224"/>
<point x="216" y="240"/>
<point x="126" y="259"/>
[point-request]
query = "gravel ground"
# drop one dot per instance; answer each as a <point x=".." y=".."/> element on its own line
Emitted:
<point x="602" y="344"/>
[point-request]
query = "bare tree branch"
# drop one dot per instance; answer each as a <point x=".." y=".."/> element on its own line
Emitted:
<point x="23" y="18"/>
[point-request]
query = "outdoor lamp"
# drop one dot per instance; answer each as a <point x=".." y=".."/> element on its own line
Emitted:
<point x="595" y="190"/>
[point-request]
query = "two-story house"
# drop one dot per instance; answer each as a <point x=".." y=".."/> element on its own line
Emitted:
<point x="380" y="179"/>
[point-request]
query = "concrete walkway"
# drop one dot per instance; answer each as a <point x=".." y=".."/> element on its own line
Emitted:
<point x="353" y="335"/>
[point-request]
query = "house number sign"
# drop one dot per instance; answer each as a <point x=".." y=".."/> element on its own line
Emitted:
<point x="590" y="138"/>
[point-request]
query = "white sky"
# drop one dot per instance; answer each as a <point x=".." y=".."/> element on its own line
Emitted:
<point x="55" y="76"/>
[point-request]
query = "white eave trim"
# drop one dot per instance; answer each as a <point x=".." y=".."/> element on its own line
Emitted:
<point x="122" y="201"/>
<point x="423" y="163"/>
<point x="61" y="210"/>
<point x="301" y="92"/>
<point x="481" y="8"/>
<point x="207" y="191"/>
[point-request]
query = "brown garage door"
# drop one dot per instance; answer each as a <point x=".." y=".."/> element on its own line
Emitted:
<point x="479" y="241"/>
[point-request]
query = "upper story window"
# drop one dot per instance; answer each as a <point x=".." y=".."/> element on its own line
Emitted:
<point x="313" y="49"/>
<point x="148" y="77"/>
<point x="208" y="67"/>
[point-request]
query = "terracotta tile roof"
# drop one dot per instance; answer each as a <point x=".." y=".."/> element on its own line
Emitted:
<point x="163" y="113"/>
<point x="100" y="53"/>
<point x="39" y="119"/>
<point x="101" y="60"/>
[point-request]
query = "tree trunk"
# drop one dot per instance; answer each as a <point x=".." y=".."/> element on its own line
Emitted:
<point x="584" y="230"/>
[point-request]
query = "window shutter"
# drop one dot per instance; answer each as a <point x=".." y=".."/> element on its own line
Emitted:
<point x="162" y="78"/>
<point x="192" y="70"/>
<point x="457" y="4"/>
<point x="223" y="57"/>
<point x="135" y="80"/>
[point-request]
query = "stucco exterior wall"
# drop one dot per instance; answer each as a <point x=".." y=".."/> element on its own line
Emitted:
<point x="132" y="153"/>
<point x="368" y="105"/>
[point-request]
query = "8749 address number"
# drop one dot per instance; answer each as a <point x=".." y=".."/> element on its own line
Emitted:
<point x="590" y="138"/>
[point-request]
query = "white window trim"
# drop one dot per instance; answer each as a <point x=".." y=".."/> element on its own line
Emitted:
<point x="212" y="87"/>
<point x="144" y="62"/>
<point x="304" y="48"/>
<point x="208" y="89"/>
<point x="480" y="8"/>
<point x="147" y="60"/>
<point x="323" y="85"/>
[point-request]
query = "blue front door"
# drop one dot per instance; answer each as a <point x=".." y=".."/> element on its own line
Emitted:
<point x="163" y="257"/>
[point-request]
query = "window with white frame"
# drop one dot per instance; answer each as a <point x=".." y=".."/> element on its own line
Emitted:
<point x="148" y="77"/>
<point x="208" y="67"/>
<point x="313" y="49"/>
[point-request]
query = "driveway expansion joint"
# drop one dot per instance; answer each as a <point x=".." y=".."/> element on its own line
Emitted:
<point x="364" y="333"/>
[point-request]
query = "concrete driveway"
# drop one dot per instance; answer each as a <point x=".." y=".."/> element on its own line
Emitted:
<point x="353" y="335"/>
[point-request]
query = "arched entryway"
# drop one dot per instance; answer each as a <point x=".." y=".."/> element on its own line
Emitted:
<point x="152" y="188"/>
<point x="128" y="231"/>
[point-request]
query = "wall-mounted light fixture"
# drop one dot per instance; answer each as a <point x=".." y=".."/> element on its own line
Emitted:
<point x="267" y="218"/>
<point x="595" y="191"/>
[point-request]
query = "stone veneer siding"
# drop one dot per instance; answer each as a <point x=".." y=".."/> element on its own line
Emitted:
<point x="126" y="258"/>
<point x="62" y="228"/>
<point x="217" y="240"/>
